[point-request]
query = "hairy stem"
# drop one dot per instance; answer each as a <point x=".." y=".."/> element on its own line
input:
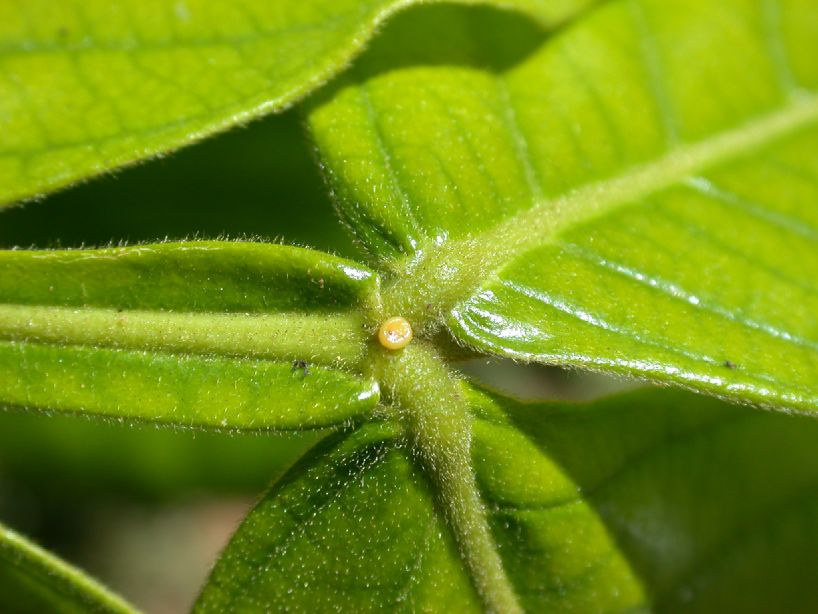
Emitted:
<point x="433" y="407"/>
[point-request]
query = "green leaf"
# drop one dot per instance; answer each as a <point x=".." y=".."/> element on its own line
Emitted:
<point x="345" y="529"/>
<point x="33" y="581"/>
<point x="635" y="194"/>
<point x="196" y="334"/>
<point x="86" y="86"/>
<point x="655" y="499"/>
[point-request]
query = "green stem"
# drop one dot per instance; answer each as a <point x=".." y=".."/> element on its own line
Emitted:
<point x="433" y="407"/>
<point x="337" y="339"/>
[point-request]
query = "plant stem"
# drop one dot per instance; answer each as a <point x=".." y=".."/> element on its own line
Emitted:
<point x="433" y="407"/>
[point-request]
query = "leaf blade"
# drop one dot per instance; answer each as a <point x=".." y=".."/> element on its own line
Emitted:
<point x="656" y="499"/>
<point x="547" y="216"/>
<point x="87" y="87"/>
<point x="196" y="334"/>
<point x="180" y="390"/>
<point x="674" y="481"/>
<point x="352" y="476"/>
<point x="34" y="580"/>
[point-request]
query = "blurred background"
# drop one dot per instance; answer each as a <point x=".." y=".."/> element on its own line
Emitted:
<point x="147" y="510"/>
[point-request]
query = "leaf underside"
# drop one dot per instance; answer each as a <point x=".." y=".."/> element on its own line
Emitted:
<point x="634" y="195"/>
<point x="201" y="334"/>
<point x="648" y="500"/>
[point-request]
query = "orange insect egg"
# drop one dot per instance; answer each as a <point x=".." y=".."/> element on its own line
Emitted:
<point x="395" y="333"/>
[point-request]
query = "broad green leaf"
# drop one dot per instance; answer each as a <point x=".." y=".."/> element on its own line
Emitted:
<point x="33" y="581"/>
<point x="635" y="194"/>
<point x="86" y="86"/>
<point x="352" y="527"/>
<point x="652" y="500"/>
<point x="197" y="334"/>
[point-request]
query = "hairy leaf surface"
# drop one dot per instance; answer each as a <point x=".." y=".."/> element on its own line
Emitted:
<point x="86" y="86"/>
<point x="31" y="580"/>
<point x="635" y="194"/>
<point x="648" y="500"/>
<point x="232" y="335"/>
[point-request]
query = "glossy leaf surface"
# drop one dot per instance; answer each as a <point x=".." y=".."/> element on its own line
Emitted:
<point x="635" y="194"/>
<point x="648" y="500"/>
<point x="197" y="334"/>
<point x="33" y="581"/>
<point x="88" y="86"/>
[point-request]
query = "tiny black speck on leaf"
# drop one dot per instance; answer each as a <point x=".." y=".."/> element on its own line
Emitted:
<point x="303" y="365"/>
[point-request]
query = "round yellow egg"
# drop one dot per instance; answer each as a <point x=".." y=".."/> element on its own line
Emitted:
<point x="395" y="333"/>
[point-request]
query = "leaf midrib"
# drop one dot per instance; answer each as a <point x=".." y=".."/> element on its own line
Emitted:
<point x="425" y="289"/>
<point x="434" y="410"/>
<point x="337" y="340"/>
